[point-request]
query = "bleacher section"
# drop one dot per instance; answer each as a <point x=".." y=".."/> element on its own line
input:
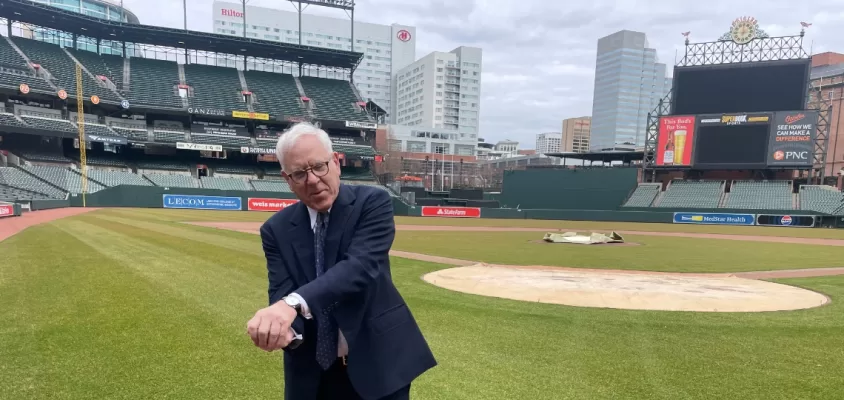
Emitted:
<point x="153" y="83"/>
<point x="214" y="87"/>
<point x="10" y="120"/>
<point x="62" y="68"/>
<point x="225" y="183"/>
<point x="107" y="65"/>
<point x="821" y="198"/>
<point x="332" y="99"/>
<point x="173" y="180"/>
<point x="760" y="195"/>
<point x="63" y="178"/>
<point x="14" y="70"/>
<point x="644" y="195"/>
<point x="273" y="185"/>
<point x="17" y="179"/>
<point x="691" y="194"/>
<point x="274" y="93"/>
<point x="49" y="124"/>
<point x="117" y="178"/>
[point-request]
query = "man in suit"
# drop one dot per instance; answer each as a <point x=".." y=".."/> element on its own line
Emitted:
<point x="346" y="331"/>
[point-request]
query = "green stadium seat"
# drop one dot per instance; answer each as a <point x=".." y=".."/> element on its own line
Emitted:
<point x="643" y="195"/>
<point x="760" y="195"/>
<point x="215" y="87"/>
<point x="821" y="198"/>
<point x="333" y="99"/>
<point x="273" y="93"/>
<point x="691" y="194"/>
<point x="154" y="83"/>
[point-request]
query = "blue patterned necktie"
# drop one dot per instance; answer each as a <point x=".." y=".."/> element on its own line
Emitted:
<point x="327" y="333"/>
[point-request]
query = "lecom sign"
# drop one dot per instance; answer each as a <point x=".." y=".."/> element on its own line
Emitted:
<point x="6" y="211"/>
<point x="451" y="212"/>
<point x="258" y="204"/>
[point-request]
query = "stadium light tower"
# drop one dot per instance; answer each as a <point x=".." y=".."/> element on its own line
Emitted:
<point x="346" y="5"/>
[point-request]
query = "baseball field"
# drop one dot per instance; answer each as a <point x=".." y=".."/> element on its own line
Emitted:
<point x="151" y="303"/>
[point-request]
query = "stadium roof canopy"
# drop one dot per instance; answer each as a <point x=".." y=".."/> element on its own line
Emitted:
<point x="625" y="157"/>
<point x="67" y="21"/>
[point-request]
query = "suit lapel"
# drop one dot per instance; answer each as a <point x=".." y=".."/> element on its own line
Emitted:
<point x="302" y="240"/>
<point x="340" y="212"/>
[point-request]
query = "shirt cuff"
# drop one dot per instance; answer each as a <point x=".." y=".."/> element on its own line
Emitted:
<point x="306" y="312"/>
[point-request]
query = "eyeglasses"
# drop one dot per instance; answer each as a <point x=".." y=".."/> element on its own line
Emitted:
<point x="319" y="170"/>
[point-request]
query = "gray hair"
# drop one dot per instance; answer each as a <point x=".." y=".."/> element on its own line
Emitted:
<point x="294" y="133"/>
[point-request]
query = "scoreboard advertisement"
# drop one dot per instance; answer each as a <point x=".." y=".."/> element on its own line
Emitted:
<point x="760" y="140"/>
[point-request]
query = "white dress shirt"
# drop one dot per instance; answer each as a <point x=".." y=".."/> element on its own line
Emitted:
<point x="342" y="346"/>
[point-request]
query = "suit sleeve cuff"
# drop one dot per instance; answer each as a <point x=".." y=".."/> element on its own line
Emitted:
<point x="306" y="312"/>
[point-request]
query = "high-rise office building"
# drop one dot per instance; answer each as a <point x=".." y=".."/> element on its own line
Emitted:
<point x="576" y="133"/>
<point x="548" y="142"/>
<point x="386" y="48"/>
<point x="629" y="81"/>
<point x="441" y="90"/>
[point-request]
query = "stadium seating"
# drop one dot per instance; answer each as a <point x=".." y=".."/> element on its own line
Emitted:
<point x="173" y="180"/>
<point x="271" y="185"/>
<point x="162" y="165"/>
<point x="168" y="136"/>
<point x="755" y="195"/>
<point x="17" y="179"/>
<point x="117" y="178"/>
<point x="10" y="194"/>
<point x="234" y="169"/>
<point x="14" y="70"/>
<point x="62" y="68"/>
<point x="332" y="99"/>
<point x="274" y="93"/>
<point x="44" y="157"/>
<point x="643" y="195"/>
<point x="214" y="87"/>
<point x="153" y="83"/>
<point x="225" y="183"/>
<point x="49" y="124"/>
<point x="131" y="133"/>
<point x="691" y="194"/>
<point x="354" y="150"/>
<point x="11" y="120"/>
<point x="107" y="65"/>
<point x="63" y="178"/>
<point x="821" y="198"/>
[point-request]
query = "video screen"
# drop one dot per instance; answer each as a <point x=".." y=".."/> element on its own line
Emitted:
<point x="766" y="86"/>
<point x="724" y="146"/>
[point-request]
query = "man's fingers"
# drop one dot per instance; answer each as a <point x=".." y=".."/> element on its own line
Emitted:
<point x="252" y="329"/>
<point x="275" y="336"/>
<point x="264" y="333"/>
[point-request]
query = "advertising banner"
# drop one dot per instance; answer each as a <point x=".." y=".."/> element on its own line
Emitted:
<point x="266" y="134"/>
<point x="258" y="204"/>
<point x="675" y="140"/>
<point x="714" y="219"/>
<point x="250" y="115"/>
<point x="735" y="119"/>
<point x="106" y="139"/>
<point x="219" y="130"/>
<point x="361" y="125"/>
<point x="451" y="212"/>
<point x="7" y="210"/>
<point x="792" y="139"/>
<point x="348" y="140"/>
<point x="794" y="221"/>
<point x="214" y="112"/>
<point x="199" y="146"/>
<point x="202" y="202"/>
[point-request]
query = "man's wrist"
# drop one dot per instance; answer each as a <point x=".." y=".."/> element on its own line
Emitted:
<point x="294" y="303"/>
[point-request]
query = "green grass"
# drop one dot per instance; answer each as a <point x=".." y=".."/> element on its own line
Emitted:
<point x="677" y="254"/>
<point x="123" y="304"/>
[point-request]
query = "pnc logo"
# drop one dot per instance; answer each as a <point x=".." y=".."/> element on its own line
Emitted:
<point x="790" y="119"/>
<point x="403" y="35"/>
<point x="780" y="155"/>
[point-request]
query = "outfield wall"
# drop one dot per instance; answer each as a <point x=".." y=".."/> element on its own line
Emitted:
<point x="10" y="210"/>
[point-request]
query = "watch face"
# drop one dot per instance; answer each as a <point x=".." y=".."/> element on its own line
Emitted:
<point x="291" y="301"/>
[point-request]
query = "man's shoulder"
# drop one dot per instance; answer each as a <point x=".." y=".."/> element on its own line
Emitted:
<point x="281" y="217"/>
<point x="368" y="192"/>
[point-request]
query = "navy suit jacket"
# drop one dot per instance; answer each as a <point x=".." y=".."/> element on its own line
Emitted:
<point x="386" y="347"/>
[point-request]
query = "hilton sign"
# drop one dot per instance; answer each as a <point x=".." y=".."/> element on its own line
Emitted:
<point x="232" y="13"/>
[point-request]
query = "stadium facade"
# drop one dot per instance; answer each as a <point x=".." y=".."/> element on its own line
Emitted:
<point x="629" y="82"/>
<point x="827" y="75"/>
<point x="442" y="90"/>
<point x="106" y="9"/>
<point x="386" y="48"/>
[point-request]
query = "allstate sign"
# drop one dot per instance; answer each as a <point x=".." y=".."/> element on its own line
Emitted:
<point x="202" y="202"/>
<point x="714" y="219"/>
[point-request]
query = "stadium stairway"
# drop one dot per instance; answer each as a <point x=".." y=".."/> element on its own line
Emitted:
<point x="101" y="70"/>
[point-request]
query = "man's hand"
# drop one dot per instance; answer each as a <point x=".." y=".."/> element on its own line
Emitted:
<point x="270" y="327"/>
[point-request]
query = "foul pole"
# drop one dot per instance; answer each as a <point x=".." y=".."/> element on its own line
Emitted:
<point x="80" y="122"/>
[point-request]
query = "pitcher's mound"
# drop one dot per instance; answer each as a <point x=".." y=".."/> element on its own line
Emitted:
<point x="627" y="290"/>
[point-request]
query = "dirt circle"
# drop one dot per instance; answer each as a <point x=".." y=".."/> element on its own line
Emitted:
<point x="601" y="245"/>
<point x="626" y="290"/>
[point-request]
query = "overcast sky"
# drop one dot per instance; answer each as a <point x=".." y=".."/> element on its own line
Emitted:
<point x="539" y="56"/>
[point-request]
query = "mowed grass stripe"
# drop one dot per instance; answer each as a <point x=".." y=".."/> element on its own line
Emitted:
<point x="88" y="326"/>
<point x="666" y="254"/>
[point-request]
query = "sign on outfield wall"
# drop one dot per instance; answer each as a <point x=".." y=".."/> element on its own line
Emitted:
<point x="199" y="146"/>
<point x="202" y="202"/>
<point x="258" y="204"/>
<point x="714" y="219"/>
<point x="451" y="212"/>
<point x="7" y="210"/>
<point x="792" y="141"/>
<point x="361" y="125"/>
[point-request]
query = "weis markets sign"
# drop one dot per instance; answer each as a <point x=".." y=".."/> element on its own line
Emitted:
<point x="451" y="212"/>
<point x="792" y="138"/>
<point x="258" y="204"/>
<point x="6" y="210"/>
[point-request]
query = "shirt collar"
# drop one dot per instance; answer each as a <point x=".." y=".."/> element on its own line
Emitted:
<point x="313" y="214"/>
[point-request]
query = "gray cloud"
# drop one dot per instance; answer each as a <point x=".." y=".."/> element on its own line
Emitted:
<point x="539" y="56"/>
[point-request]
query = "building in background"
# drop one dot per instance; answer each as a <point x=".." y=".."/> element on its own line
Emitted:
<point x="827" y="75"/>
<point x="441" y="90"/>
<point x="386" y="48"/>
<point x="507" y="147"/>
<point x="548" y="142"/>
<point x="106" y="9"/>
<point x="576" y="133"/>
<point x="629" y="82"/>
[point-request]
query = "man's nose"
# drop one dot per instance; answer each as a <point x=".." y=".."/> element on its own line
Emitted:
<point x="312" y="179"/>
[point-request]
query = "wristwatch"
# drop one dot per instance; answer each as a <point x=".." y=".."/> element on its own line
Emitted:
<point x="294" y="303"/>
